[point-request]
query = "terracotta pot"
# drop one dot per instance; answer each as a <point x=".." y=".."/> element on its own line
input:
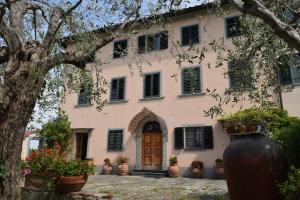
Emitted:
<point x="254" y="166"/>
<point x="37" y="181"/>
<point x="123" y="169"/>
<point x="219" y="172"/>
<point x="107" y="170"/>
<point x="174" y="170"/>
<point x="197" y="172"/>
<point x="66" y="184"/>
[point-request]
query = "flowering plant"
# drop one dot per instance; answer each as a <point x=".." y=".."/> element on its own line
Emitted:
<point x="122" y="160"/>
<point x="107" y="162"/>
<point x="173" y="160"/>
<point x="73" y="168"/>
<point x="41" y="161"/>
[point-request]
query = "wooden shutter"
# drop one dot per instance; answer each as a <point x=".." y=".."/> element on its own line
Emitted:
<point x="178" y="138"/>
<point x="185" y="36"/>
<point x="141" y="44"/>
<point x="115" y="140"/>
<point x="196" y="80"/>
<point x="186" y="82"/>
<point x="164" y="40"/>
<point x="208" y="137"/>
<point x="114" y="89"/>
<point x="147" y="85"/>
<point x="194" y="34"/>
<point x="121" y="89"/>
<point x="156" y="84"/>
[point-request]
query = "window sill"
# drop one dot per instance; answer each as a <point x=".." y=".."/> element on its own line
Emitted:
<point x="83" y="105"/>
<point x="117" y="101"/>
<point x="194" y="149"/>
<point x="191" y="95"/>
<point x="114" y="150"/>
<point x="152" y="98"/>
<point x="190" y="45"/>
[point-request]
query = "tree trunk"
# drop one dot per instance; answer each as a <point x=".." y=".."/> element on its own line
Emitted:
<point x="12" y="128"/>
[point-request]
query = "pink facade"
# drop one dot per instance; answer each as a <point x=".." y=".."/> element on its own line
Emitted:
<point x="171" y="109"/>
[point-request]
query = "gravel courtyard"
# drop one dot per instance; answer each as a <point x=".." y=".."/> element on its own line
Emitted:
<point x="141" y="188"/>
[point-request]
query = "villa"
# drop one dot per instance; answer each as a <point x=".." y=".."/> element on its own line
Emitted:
<point x="157" y="110"/>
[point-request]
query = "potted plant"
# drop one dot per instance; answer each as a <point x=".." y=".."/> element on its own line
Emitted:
<point x="219" y="168"/>
<point x="197" y="169"/>
<point x="174" y="169"/>
<point x="107" y="167"/>
<point x="39" y="168"/>
<point x="72" y="175"/>
<point x="122" y="165"/>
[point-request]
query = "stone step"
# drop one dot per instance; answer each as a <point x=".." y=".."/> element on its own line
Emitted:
<point x="149" y="173"/>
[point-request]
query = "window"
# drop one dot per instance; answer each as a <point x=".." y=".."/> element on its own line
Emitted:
<point x="120" y="48"/>
<point x="233" y="26"/>
<point x="240" y="74"/>
<point x="191" y="81"/>
<point x="153" y="42"/>
<point x="85" y="93"/>
<point x="115" y="140"/>
<point x="117" y="92"/>
<point x="190" y="35"/>
<point x="289" y="70"/>
<point x="200" y="137"/>
<point x="152" y="85"/>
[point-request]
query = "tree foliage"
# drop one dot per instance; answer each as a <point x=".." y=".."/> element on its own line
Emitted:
<point x="57" y="131"/>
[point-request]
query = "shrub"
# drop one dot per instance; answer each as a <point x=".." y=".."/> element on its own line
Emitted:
<point x="288" y="137"/>
<point x="290" y="189"/>
<point x="271" y="119"/>
<point x="73" y="168"/>
<point x="57" y="131"/>
<point x="107" y="161"/>
<point x="197" y="164"/>
<point x="122" y="160"/>
<point x="173" y="160"/>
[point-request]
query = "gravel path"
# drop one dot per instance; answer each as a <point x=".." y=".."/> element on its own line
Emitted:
<point x="141" y="188"/>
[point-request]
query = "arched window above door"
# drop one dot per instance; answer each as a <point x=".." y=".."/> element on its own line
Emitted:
<point x="151" y="127"/>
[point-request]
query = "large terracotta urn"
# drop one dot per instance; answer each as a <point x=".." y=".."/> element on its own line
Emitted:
<point x="123" y="169"/>
<point x="174" y="170"/>
<point x="254" y="166"/>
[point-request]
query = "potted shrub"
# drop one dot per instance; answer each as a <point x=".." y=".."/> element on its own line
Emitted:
<point x="122" y="165"/>
<point x="219" y="168"/>
<point x="197" y="169"/>
<point x="174" y="169"/>
<point x="39" y="168"/>
<point x="107" y="167"/>
<point x="72" y="175"/>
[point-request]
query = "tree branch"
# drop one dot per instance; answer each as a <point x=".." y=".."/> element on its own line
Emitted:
<point x="4" y="55"/>
<point x="283" y="30"/>
<point x="10" y="37"/>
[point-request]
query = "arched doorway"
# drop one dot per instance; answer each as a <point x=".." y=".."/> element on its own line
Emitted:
<point x="152" y="146"/>
<point x="147" y="121"/>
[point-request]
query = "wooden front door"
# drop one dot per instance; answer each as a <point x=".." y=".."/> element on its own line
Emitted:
<point x="152" y="151"/>
<point x="81" y="145"/>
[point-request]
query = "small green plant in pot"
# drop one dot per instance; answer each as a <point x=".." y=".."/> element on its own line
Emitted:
<point x="107" y="167"/>
<point x="173" y="169"/>
<point x="197" y="169"/>
<point x="72" y="175"/>
<point x="122" y="165"/>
